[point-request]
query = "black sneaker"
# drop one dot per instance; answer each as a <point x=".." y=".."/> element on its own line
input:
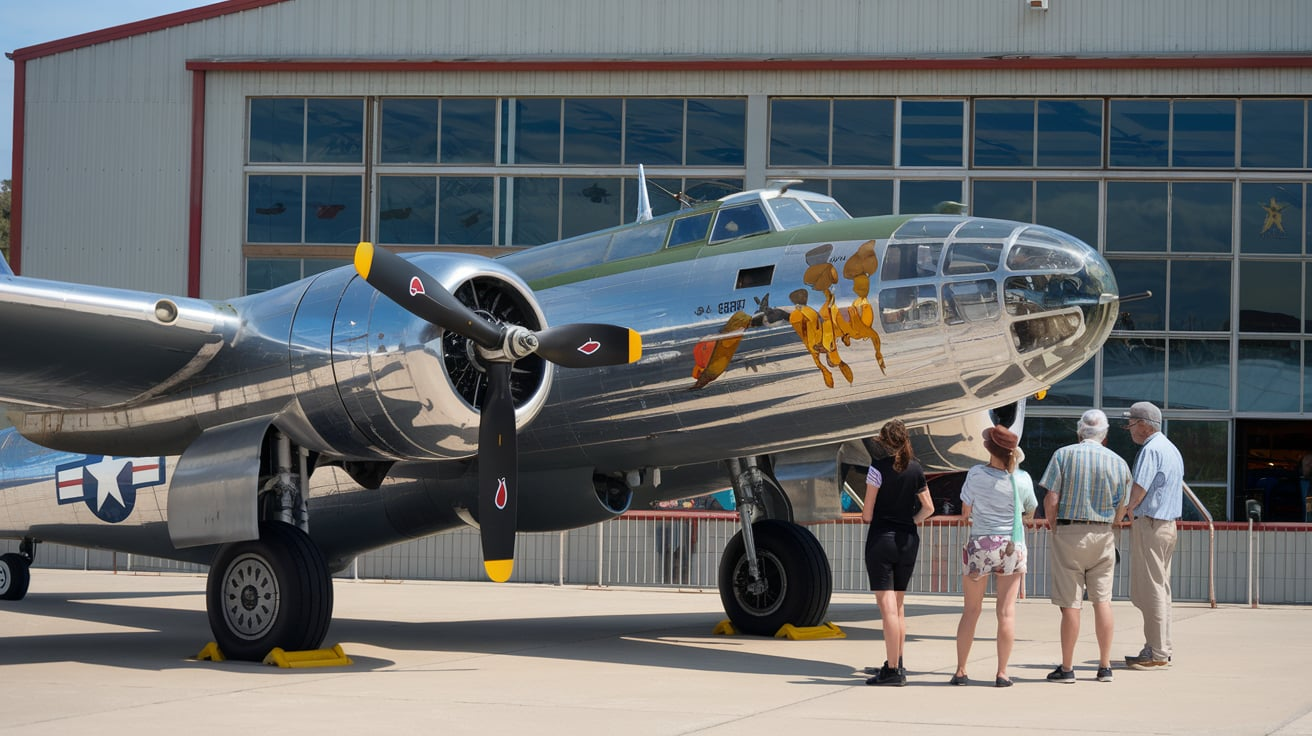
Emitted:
<point x="875" y="670"/>
<point x="1061" y="675"/>
<point x="888" y="676"/>
<point x="1104" y="674"/>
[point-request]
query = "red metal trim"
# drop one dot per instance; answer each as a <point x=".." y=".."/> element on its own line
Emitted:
<point x="1001" y="63"/>
<point x="195" y="208"/>
<point x="137" y="28"/>
<point x="16" y="183"/>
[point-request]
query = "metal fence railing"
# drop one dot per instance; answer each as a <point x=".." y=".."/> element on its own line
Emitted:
<point x="1265" y="563"/>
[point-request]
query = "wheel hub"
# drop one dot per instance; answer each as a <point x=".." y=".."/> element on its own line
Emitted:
<point x="251" y="596"/>
<point x="764" y="595"/>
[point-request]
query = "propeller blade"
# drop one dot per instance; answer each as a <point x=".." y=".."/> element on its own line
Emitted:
<point x="420" y="294"/>
<point x="587" y="345"/>
<point x="498" y="475"/>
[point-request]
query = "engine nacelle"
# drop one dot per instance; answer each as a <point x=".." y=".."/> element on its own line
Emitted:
<point x="374" y="381"/>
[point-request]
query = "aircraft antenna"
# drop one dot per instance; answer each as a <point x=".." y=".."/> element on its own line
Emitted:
<point x="644" y="204"/>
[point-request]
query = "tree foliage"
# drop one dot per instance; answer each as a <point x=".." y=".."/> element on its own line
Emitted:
<point x="6" y="199"/>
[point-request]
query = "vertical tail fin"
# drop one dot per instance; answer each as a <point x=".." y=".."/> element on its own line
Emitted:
<point x="644" y="204"/>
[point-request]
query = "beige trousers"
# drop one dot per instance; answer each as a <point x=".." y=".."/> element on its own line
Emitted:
<point x="1152" y="546"/>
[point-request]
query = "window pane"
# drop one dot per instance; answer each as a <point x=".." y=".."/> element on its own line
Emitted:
<point x="689" y="229"/>
<point x="1007" y="199"/>
<point x="970" y="301"/>
<point x="273" y="213"/>
<point x="263" y="274"/>
<point x="1073" y="390"/>
<point x="1136" y="277"/>
<point x="864" y="197"/>
<point x="706" y="190"/>
<point x="311" y="266"/>
<point x="1307" y="376"/>
<point x="661" y="203"/>
<point x="932" y="133"/>
<point x="1268" y="375"/>
<point x="1069" y="206"/>
<point x="1307" y="298"/>
<point x="468" y="131"/>
<point x="908" y="307"/>
<point x="277" y="130"/>
<point x="1270" y="217"/>
<point x="332" y="209"/>
<point x="1070" y="134"/>
<point x="1138" y="132"/>
<point x="1199" y="377"/>
<point x="1204" y="134"/>
<point x="535" y="131"/>
<point x="592" y="130"/>
<point x="1272" y="134"/>
<point x="464" y="210"/>
<point x="739" y="222"/>
<point x="653" y="132"/>
<point x="1133" y="369"/>
<point x="799" y="132"/>
<point x="407" y="208"/>
<point x="1204" y="447"/>
<point x="1201" y="216"/>
<point x="590" y="204"/>
<point x="1004" y="133"/>
<point x="1136" y="216"/>
<point x="1200" y="295"/>
<point x="863" y="133"/>
<point x="926" y="196"/>
<point x="535" y="217"/>
<point x="334" y="131"/>
<point x="717" y="132"/>
<point x="1269" y="297"/>
<point x="408" y="131"/>
<point x="638" y="241"/>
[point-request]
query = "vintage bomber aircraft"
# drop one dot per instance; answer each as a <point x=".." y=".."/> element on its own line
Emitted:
<point x="277" y="436"/>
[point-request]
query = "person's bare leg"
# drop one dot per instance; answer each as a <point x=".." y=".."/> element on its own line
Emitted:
<point x="902" y="628"/>
<point x="1104" y="626"/>
<point x="973" y="593"/>
<point x="1008" y="586"/>
<point x="892" y="623"/>
<point x="1070" y="631"/>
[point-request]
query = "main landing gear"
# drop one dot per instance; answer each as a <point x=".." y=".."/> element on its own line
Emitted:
<point x="773" y="571"/>
<point x="15" y="572"/>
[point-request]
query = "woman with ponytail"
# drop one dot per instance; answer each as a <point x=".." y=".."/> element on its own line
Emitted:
<point x="897" y="501"/>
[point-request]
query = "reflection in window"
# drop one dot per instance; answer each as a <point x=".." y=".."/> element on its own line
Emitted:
<point x="1272" y="136"/>
<point x="1138" y="131"/>
<point x="334" y="131"/>
<point x="1069" y="206"/>
<point x="799" y="132"/>
<point x="970" y="301"/>
<point x="407" y="131"/>
<point x="332" y="209"/>
<point x="653" y="131"/>
<point x="1070" y="134"/>
<point x="464" y="213"/>
<point x="1204" y="134"/>
<point x="639" y="241"/>
<point x="534" y="216"/>
<point x="689" y="229"/>
<point x="1200" y="295"/>
<point x="468" y="134"/>
<point x="1136" y="277"/>
<point x="908" y="307"/>
<point x="864" y="197"/>
<point x="533" y="127"/>
<point x="1004" y="133"/>
<point x="1005" y="199"/>
<point x="590" y="204"/>
<point x="1201" y="216"/>
<point x="717" y="132"/>
<point x="963" y="258"/>
<point x="1073" y="390"/>
<point x="790" y="213"/>
<point x="1037" y="293"/>
<point x="926" y="196"/>
<point x="1269" y="297"/>
<point x="1136" y="216"/>
<point x="739" y="222"/>
<point x="863" y="132"/>
<point x="1133" y="369"/>
<point x="1033" y="257"/>
<point x="407" y="209"/>
<point x="1199" y="375"/>
<point x="826" y="211"/>
<point x="1268" y="376"/>
<point x="273" y="213"/>
<point x="1270" y="217"/>
<point x="277" y="130"/>
<point x="932" y="133"/>
<point x="263" y="274"/>
<point x="1038" y="333"/>
<point x="592" y="130"/>
<point x="910" y="261"/>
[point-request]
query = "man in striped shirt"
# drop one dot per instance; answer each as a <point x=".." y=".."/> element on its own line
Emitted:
<point x="1088" y="487"/>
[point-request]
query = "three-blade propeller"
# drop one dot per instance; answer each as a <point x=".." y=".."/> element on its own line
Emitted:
<point x="499" y="346"/>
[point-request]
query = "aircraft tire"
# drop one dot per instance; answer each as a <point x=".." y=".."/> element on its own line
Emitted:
<point x="797" y="576"/>
<point x="271" y="592"/>
<point x="14" y="577"/>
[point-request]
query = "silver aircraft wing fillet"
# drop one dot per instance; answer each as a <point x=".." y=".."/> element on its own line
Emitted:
<point x="72" y="346"/>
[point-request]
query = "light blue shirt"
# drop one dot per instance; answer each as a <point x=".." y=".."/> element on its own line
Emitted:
<point x="1159" y="470"/>
<point x="993" y="501"/>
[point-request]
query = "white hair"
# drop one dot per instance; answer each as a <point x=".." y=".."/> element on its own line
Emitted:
<point x="1093" y="425"/>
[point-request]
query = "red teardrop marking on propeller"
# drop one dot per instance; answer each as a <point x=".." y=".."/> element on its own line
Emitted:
<point x="503" y="494"/>
<point x="416" y="286"/>
<point x="590" y="347"/>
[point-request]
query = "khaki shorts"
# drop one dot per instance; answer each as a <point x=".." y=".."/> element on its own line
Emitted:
<point x="1083" y="558"/>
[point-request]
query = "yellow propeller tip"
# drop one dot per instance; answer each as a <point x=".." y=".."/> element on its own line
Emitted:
<point x="498" y="571"/>
<point x="635" y="346"/>
<point x="364" y="259"/>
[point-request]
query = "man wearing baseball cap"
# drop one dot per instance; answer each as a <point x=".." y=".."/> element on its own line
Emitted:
<point x="1155" y="504"/>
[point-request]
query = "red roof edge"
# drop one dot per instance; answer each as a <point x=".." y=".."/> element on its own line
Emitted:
<point x="137" y="28"/>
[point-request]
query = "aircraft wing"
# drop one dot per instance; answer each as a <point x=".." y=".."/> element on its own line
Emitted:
<point x="72" y="346"/>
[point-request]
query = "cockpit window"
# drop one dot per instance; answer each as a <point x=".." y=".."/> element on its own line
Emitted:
<point x="689" y="229"/>
<point x="1030" y="257"/>
<point x="739" y="222"/>
<point x="963" y="258"/>
<point x="970" y="301"/>
<point x="910" y="261"/>
<point x="790" y="213"/>
<point x="826" y="210"/>
<point x="908" y="307"/>
<point x="639" y="241"/>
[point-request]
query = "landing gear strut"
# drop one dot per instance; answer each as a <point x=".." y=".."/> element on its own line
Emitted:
<point x="773" y="572"/>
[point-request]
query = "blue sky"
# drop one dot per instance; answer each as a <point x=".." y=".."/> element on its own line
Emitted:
<point x="26" y="23"/>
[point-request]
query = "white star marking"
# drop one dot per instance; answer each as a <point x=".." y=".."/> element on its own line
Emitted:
<point x="106" y="474"/>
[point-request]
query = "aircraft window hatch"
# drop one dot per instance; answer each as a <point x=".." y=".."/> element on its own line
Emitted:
<point x="825" y="210"/>
<point x="689" y="230"/>
<point x="732" y="223"/>
<point x="750" y="277"/>
<point x="1029" y="257"/>
<point x="971" y="301"/>
<point x="790" y="213"/>
<point x="966" y="258"/>
<point x="640" y="241"/>
<point x="908" y="307"/>
<point x="910" y="261"/>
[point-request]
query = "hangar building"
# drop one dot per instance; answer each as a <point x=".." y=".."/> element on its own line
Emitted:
<point x="237" y="146"/>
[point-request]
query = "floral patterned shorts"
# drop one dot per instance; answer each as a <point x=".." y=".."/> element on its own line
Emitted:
<point x="988" y="555"/>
